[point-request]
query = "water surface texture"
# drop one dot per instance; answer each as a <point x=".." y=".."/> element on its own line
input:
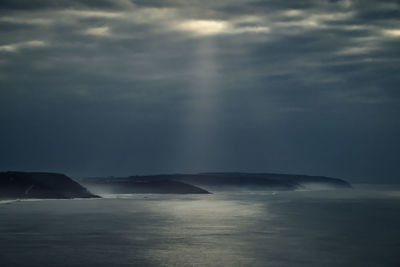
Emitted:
<point x="304" y="228"/>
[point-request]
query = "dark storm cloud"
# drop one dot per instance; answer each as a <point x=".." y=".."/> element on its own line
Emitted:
<point x="125" y="87"/>
<point x="41" y="4"/>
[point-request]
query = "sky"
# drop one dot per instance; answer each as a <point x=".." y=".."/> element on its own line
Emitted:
<point x="129" y="87"/>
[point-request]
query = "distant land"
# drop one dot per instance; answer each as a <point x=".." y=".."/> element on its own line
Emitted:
<point x="23" y="185"/>
<point x="178" y="183"/>
<point x="261" y="180"/>
<point x="138" y="186"/>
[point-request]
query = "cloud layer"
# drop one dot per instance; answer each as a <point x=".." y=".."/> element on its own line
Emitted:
<point x="126" y="87"/>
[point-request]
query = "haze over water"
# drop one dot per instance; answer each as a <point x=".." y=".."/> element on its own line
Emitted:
<point x="302" y="228"/>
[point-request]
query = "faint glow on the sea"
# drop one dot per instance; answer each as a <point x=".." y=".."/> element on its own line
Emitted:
<point x="205" y="226"/>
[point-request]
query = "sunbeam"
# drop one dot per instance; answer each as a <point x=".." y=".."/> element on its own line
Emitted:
<point x="197" y="143"/>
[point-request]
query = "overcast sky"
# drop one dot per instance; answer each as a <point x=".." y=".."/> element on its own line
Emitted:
<point x="141" y="87"/>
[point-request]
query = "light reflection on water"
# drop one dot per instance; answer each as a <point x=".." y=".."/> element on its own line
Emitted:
<point x="321" y="228"/>
<point x="205" y="230"/>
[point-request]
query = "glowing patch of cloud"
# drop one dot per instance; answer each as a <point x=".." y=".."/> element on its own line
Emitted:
<point x="98" y="31"/>
<point x="32" y="21"/>
<point x="247" y="24"/>
<point x="214" y="27"/>
<point x="356" y="50"/>
<point x="332" y="16"/>
<point x="248" y="19"/>
<point x="204" y="27"/>
<point x="91" y="14"/>
<point x="17" y="46"/>
<point x="250" y="29"/>
<point x="356" y="27"/>
<point x="293" y="13"/>
<point x="315" y="20"/>
<point x="392" y="33"/>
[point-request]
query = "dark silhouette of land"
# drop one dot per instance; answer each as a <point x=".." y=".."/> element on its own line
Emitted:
<point x="179" y="183"/>
<point x="272" y="180"/>
<point x="131" y="186"/>
<point x="21" y="185"/>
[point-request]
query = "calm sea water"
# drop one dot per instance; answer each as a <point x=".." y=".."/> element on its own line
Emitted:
<point x="359" y="227"/>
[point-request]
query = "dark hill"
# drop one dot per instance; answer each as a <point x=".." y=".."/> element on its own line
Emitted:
<point x="40" y="185"/>
<point x="252" y="180"/>
<point x="132" y="186"/>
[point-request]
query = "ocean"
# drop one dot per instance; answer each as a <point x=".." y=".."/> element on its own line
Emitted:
<point x="349" y="227"/>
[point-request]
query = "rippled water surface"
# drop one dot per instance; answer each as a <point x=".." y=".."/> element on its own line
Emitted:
<point x="358" y="227"/>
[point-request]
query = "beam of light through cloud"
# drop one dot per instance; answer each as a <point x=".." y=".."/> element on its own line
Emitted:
<point x="198" y="141"/>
